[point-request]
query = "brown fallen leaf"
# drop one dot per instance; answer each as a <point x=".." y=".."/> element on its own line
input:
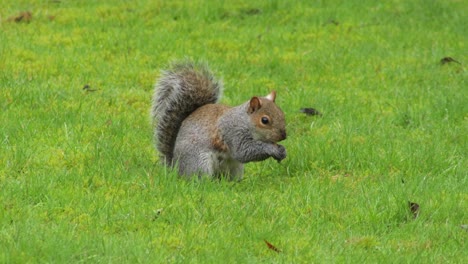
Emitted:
<point x="252" y="11"/>
<point x="25" y="16"/>
<point x="414" y="208"/>
<point x="310" y="111"/>
<point x="446" y="60"/>
<point x="332" y="21"/>
<point x="88" y="88"/>
<point x="270" y="246"/>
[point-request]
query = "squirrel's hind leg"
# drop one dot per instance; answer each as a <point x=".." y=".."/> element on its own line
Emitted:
<point x="236" y="171"/>
<point x="208" y="163"/>
<point x="195" y="165"/>
<point x="225" y="166"/>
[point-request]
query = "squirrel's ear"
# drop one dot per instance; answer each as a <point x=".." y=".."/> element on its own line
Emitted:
<point x="271" y="96"/>
<point x="254" y="105"/>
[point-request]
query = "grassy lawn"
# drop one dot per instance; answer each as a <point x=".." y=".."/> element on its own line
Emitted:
<point x="79" y="175"/>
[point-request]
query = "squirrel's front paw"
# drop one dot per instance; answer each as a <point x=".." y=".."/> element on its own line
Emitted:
<point x="280" y="153"/>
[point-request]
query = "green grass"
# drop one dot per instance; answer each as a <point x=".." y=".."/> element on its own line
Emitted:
<point x="79" y="176"/>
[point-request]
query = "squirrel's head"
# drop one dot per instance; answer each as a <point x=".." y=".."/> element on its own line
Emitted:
<point x="267" y="118"/>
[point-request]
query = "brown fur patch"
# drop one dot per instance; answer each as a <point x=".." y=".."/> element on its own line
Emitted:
<point x="208" y="116"/>
<point x="218" y="142"/>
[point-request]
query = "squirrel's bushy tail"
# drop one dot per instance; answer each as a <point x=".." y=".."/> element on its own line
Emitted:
<point x="180" y="90"/>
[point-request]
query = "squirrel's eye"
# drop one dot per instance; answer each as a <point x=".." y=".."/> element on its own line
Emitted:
<point x="265" y="120"/>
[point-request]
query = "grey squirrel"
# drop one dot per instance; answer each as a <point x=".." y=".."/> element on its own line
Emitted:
<point x="201" y="137"/>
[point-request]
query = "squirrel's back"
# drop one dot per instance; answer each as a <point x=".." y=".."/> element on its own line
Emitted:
<point x="181" y="89"/>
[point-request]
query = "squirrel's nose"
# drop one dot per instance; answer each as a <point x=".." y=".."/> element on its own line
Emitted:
<point x="283" y="134"/>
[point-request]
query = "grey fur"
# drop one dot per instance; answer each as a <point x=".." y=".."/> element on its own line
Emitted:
<point x="239" y="136"/>
<point x="204" y="138"/>
<point x="180" y="91"/>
